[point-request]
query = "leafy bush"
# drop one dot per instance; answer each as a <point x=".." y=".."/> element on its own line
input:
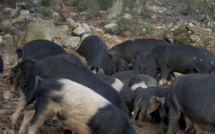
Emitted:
<point x="126" y="24"/>
<point x="46" y="3"/>
<point x="45" y="11"/>
<point x="134" y="24"/>
<point x="90" y="4"/>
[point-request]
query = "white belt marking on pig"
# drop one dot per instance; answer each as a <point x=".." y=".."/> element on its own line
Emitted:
<point x="118" y="85"/>
<point x="141" y="84"/>
<point x="78" y="105"/>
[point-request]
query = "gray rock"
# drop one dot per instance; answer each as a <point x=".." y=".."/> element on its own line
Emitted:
<point x="73" y="42"/>
<point x="18" y="19"/>
<point x="7" y="10"/>
<point x="115" y="38"/>
<point x="8" y="95"/>
<point x="72" y="23"/>
<point x="57" y="16"/>
<point x="5" y="25"/>
<point x="127" y="16"/>
<point x="8" y="38"/>
<point x="1" y="40"/>
<point x="84" y="36"/>
<point x="86" y="27"/>
<point x="79" y="30"/>
<point x="24" y="12"/>
<point x="2" y="112"/>
<point x="64" y="29"/>
<point x="14" y="12"/>
<point x="112" y="27"/>
<point x="41" y="29"/>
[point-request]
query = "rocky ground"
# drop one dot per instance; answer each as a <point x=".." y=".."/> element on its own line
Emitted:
<point x="15" y="31"/>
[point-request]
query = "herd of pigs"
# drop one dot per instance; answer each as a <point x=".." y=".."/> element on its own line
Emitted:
<point x="93" y="90"/>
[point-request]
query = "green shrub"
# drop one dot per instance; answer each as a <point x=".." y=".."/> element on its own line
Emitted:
<point x="45" y="11"/>
<point x="126" y="24"/>
<point x="83" y="5"/>
<point x="46" y="3"/>
<point x="128" y="7"/>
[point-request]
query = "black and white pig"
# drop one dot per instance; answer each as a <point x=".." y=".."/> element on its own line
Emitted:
<point x="191" y="96"/>
<point x="38" y="49"/>
<point x="126" y="93"/>
<point x="125" y="76"/>
<point x="94" y="49"/>
<point x="145" y="63"/>
<point x="76" y="107"/>
<point x="183" y="59"/>
<point x="1" y="67"/>
<point x="142" y="80"/>
<point x="128" y="50"/>
<point x="60" y="67"/>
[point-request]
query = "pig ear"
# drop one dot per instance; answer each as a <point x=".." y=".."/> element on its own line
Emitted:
<point x="26" y="64"/>
<point x="110" y="54"/>
<point x="38" y="79"/>
<point x="20" y="52"/>
<point x="154" y="103"/>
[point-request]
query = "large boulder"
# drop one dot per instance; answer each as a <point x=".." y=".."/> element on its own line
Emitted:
<point x="181" y="32"/>
<point x="42" y="29"/>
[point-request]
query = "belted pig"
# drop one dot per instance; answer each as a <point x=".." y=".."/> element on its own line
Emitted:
<point x="76" y="107"/>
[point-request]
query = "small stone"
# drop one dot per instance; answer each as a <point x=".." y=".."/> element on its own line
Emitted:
<point x="2" y="112"/>
<point x="127" y="16"/>
<point x="112" y="27"/>
<point x="72" y="23"/>
<point x="84" y="36"/>
<point x="8" y="95"/>
<point x="73" y="42"/>
<point x="24" y="12"/>
<point x="86" y="27"/>
<point x="79" y="31"/>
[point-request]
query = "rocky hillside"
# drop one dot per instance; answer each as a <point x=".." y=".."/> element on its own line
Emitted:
<point x="66" y="25"/>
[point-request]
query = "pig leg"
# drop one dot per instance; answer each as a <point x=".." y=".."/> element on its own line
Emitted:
<point x="163" y="76"/>
<point x="141" y="117"/>
<point x="27" y="118"/>
<point x="189" y="124"/>
<point x="173" y="121"/>
<point x="174" y="116"/>
<point x="19" y="109"/>
<point x="137" y="107"/>
<point x="41" y="114"/>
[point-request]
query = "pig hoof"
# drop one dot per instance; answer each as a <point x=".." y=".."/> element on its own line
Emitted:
<point x="161" y="83"/>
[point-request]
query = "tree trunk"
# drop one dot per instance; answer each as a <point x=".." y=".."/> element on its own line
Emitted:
<point x="116" y="8"/>
<point x="139" y="5"/>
